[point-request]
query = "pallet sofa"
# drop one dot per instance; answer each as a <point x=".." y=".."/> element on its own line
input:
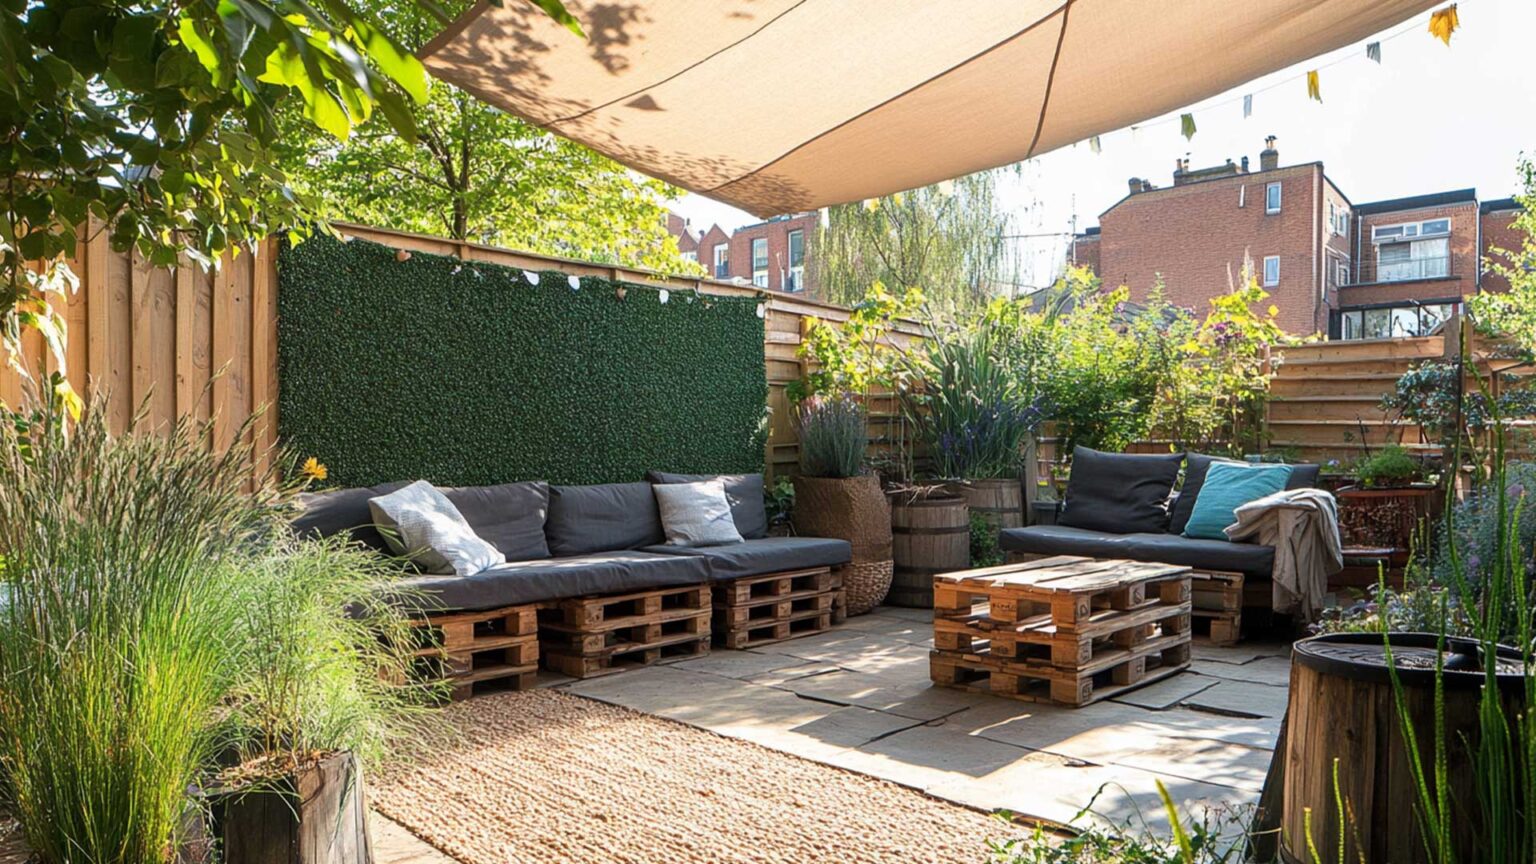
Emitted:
<point x="590" y="585"/>
<point x="1107" y="488"/>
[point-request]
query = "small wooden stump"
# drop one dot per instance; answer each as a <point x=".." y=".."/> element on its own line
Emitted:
<point x="758" y="610"/>
<point x="588" y="636"/>
<point x="1064" y="629"/>
<point x="1217" y="598"/>
<point x="474" y="649"/>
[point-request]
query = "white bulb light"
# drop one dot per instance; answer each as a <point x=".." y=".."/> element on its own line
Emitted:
<point x="663" y="295"/>
<point x="532" y="277"/>
<point x="574" y="282"/>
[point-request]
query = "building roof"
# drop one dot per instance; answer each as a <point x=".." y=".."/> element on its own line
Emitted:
<point x="1500" y="205"/>
<point x="1189" y="183"/>
<point x="1090" y="232"/>
<point x="1438" y="199"/>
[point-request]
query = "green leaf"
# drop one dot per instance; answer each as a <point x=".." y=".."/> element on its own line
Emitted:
<point x="556" y="10"/>
<point x="191" y="33"/>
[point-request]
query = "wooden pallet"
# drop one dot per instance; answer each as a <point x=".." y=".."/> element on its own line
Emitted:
<point x="1217" y="598"/>
<point x="588" y="636"/>
<point x="1063" y="628"/>
<point x="477" y="649"/>
<point x="1112" y="673"/>
<point x="758" y="610"/>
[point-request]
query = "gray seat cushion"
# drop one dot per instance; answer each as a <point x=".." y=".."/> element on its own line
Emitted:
<point x="1249" y="559"/>
<point x="602" y="518"/>
<point x="744" y="491"/>
<point x="766" y="555"/>
<point x="344" y="511"/>
<point x="509" y="516"/>
<point x="519" y="582"/>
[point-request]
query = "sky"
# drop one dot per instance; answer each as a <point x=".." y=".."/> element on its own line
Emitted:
<point x="1428" y="118"/>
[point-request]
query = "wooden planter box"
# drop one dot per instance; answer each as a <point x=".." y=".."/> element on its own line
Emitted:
<point x="1387" y="518"/>
<point x="317" y="816"/>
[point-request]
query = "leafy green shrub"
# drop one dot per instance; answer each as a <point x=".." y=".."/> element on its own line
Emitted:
<point x="1213" y="835"/>
<point x="116" y="651"/>
<point x="465" y="373"/>
<point x="833" y="435"/>
<point x="984" y="549"/>
<point x="1389" y="466"/>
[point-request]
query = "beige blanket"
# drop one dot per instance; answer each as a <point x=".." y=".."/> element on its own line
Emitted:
<point x="1303" y="526"/>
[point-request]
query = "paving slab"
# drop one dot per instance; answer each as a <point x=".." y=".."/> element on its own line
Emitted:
<point x="1164" y="694"/>
<point x="1275" y="671"/>
<point x="738" y="664"/>
<point x="918" y="700"/>
<point x="1242" y="652"/>
<point x="800" y="669"/>
<point x="1241" y="698"/>
<point x="391" y="842"/>
<point x="839" y="642"/>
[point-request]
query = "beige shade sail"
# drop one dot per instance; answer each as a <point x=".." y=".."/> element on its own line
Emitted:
<point x="776" y="106"/>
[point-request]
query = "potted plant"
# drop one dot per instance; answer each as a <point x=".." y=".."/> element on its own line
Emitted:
<point x="975" y="418"/>
<point x="836" y="495"/>
<point x="1389" y="502"/>
<point x="324" y="689"/>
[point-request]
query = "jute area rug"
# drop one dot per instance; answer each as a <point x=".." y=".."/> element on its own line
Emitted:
<point x="547" y="776"/>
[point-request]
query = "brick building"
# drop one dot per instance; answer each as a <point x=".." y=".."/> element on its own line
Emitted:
<point x="773" y="254"/>
<point x="1353" y="271"/>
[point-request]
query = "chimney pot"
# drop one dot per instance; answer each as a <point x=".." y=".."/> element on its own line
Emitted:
<point x="1245" y="164"/>
<point x="1135" y="183"/>
<point x="1269" y="159"/>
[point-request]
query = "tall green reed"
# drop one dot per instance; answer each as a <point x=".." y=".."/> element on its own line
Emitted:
<point x="116" y="650"/>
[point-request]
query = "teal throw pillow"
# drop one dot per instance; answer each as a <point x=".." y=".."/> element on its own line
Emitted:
<point x="1228" y="486"/>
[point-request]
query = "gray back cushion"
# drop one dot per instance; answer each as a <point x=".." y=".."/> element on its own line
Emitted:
<point x="744" y="491"/>
<point x="343" y="511"/>
<point x="1122" y="493"/>
<point x="1302" y="477"/>
<point x="509" y="516"/>
<point x="602" y="518"/>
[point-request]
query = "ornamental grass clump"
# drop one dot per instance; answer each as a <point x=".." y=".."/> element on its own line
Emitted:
<point x="833" y="434"/>
<point x="116" y="645"/>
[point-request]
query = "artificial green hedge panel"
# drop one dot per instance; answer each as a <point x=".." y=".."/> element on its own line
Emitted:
<point x="466" y="373"/>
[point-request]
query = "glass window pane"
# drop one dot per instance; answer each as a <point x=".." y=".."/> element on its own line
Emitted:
<point x="796" y="248"/>
<point x="1352" y="325"/>
<point x="1405" y="321"/>
<point x="1377" y="322"/>
<point x="1436" y="226"/>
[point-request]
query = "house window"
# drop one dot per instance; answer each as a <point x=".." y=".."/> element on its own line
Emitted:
<point x="1272" y="198"/>
<point x="796" y="278"/>
<point x="1341" y="273"/>
<point x="1418" y="259"/>
<point x="1271" y="271"/>
<point x="1394" y="322"/>
<point x="760" y="262"/>
<point x="691" y="255"/>
<point x="722" y="261"/>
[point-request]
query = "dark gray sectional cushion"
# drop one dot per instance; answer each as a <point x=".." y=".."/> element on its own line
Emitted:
<point x="338" y="511"/>
<point x="1122" y="492"/>
<point x="509" y="516"/>
<point x="602" y="518"/>
<point x="766" y="555"/>
<point x="744" y="491"/>
<point x="556" y="578"/>
<point x="1250" y="559"/>
<point x="1302" y="477"/>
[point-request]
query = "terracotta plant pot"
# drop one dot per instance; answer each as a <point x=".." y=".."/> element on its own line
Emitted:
<point x="853" y="509"/>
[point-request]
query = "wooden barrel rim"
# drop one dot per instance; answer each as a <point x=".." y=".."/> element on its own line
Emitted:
<point x="1362" y="657"/>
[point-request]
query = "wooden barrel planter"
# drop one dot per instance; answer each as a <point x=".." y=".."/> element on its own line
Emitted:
<point x="1343" y="708"/>
<point x="1000" y="502"/>
<point x="929" y="534"/>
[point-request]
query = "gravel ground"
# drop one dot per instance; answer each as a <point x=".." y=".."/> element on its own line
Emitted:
<point x="545" y="776"/>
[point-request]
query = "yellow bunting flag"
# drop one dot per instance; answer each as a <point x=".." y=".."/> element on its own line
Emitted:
<point x="1093" y="144"/>
<point x="1314" y="90"/>
<point x="1443" y="23"/>
<point x="1187" y="125"/>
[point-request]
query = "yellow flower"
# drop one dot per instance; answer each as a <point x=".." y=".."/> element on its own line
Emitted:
<point x="313" y="469"/>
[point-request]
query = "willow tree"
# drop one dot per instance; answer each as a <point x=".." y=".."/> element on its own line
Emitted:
<point x="950" y="240"/>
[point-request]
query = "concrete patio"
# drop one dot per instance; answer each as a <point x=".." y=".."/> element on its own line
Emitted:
<point x="859" y="698"/>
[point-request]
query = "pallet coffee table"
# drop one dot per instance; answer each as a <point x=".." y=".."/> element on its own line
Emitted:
<point x="1063" y="629"/>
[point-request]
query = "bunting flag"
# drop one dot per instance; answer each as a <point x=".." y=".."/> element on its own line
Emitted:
<point x="1443" y="23"/>
<point x="1373" y="51"/>
<point x="1247" y="106"/>
<point x="1314" y="90"/>
<point x="1187" y="126"/>
<point x="1093" y="144"/>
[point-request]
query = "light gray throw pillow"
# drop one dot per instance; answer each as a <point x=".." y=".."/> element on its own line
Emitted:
<point x="696" y="514"/>
<point x="421" y="522"/>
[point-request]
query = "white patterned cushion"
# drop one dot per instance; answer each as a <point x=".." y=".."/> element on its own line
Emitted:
<point x="421" y="522"/>
<point x="696" y="514"/>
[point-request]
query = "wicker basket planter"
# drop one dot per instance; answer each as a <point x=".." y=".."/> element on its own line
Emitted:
<point x="853" y="509"/>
